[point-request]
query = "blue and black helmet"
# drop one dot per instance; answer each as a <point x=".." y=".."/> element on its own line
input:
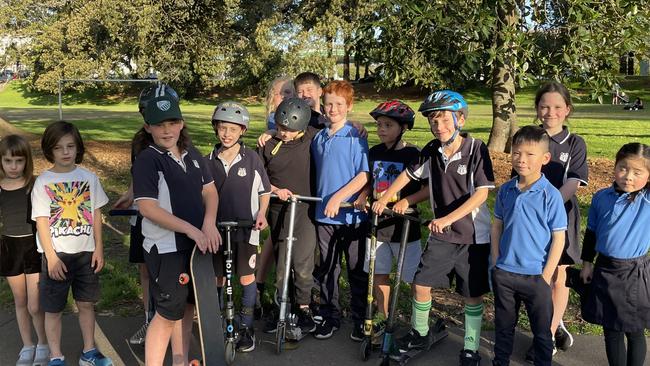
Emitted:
<point x="444" y="100"/>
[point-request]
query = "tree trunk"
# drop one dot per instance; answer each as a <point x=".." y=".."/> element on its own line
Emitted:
<point x="504" y="117"/>
<point x="357" y="65"/>
<point x="346" y="59"/>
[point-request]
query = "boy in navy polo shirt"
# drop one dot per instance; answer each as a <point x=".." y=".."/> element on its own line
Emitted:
<point x="528" y="235"/>
<point x="244" y="192"/>
<point x="459" y="174"/>
<point x="341" y="160"/>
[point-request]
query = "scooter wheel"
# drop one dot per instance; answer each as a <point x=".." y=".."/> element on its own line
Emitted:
<point x="230" y="352"/>
<point x="279" y="342"/>
<point x="364" y="349"/>
<point x="195" y="363"/>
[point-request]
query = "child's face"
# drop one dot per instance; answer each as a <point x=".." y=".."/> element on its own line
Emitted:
<point x="528" y="158"/>
<point x="388" y="130"/>
<point x="13" y="166"/>
<point x="286" y="134"/>
<point x="281" y="91"/>
<point x="229" y="133"/>
<point x="336" y="108"/>
<point x="631" y="174"/>
<point x="310" y="93"/>
<point x="552" y="110"/>
<point x="65" y="152"/>
<point x="442" y="124"/>
<point x="166" y="134"/>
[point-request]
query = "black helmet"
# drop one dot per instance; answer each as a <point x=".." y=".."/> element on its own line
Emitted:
<point x="444" y="100"/>
<point x="397" y="110"/>
<point x="153" y="91"/>
<point x="293" y="114"/>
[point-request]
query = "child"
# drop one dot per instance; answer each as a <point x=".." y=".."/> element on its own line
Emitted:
<point x="287" y="160"/>
<point x="566" y="171"/>
<point x="20" y="262"/>
<point x="244" y="190"/>
<point x="617" y="232"/>
<point x="308" y="87"/>
<point x="66" y="205"/>
<point x="459" y="172"/>
<point x="527" y="239"/>
<point x="340" y="158"/>
<point x="279" y="89"/>
<point x="387" y="160"/>
<point x="175" y="195"/>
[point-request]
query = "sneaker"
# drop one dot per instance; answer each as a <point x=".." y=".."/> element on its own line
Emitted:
<point x="530" y="354"/>
<point x="325" y="329"/>
<point x="139" y="336"/>
<point x="317" y="319"/>
<point x="94" y="358"/>
<point x="26" y="356"/>
<point x="357" y="333"/>
<point x="56" y="362"/>
<point x="42" y="355"/>
<point x="413" y="340"/>
<point x="271" y="323"/>
<point x="563" y="339"/>
<point x="306" y="321"/>
<point x="246" y="341"/>
<point x="469" y="358"/>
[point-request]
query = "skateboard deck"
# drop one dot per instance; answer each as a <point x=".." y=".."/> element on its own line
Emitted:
<point x="438" y="333"/>
<point x="207" y="309"/>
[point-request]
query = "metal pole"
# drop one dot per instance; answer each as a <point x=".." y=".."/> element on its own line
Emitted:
<point x="60" y="106"/>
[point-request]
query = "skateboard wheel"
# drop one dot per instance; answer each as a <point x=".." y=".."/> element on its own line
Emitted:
<point x="230" y="352"/>
<point x="183" y="278"/>
<point x="364" y="349"/>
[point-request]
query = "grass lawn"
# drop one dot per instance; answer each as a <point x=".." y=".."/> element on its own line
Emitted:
<point x="114" y="120"/>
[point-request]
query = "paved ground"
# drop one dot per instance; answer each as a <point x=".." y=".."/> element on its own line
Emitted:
<point x="113" y="332"/>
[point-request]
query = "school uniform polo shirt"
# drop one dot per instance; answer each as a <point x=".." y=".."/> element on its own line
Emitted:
<point x="529" y="219"/>
<point x="568" y="159"/>
<point x="452" y="181"/>
<point x="620" y="224"/>
<point x="239" y="184"/>
<point x="338" y="159"/>
<point x="177" y="185"/>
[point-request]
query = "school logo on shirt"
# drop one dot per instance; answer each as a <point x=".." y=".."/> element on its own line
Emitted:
<point x="164" y="105"/>
<point x="462" y="169"/>
<point x="196" y="164"/>
<point x="71" y="211"/>
<point x="564" y="157"/>
<point x="241" y="172"/>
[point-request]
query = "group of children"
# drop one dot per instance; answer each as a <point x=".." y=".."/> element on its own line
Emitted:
<point x="522" y="254"/>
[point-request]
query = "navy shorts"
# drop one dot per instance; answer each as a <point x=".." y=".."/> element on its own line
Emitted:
<point x="136" y="252"/>
<point x="170" y="284"/>
<point x="81" y="277"/>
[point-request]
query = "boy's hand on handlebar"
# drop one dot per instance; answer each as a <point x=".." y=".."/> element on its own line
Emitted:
<point x="440" y="225"/>
<point x="378" y="206"/>
<point x="332" y="208"/>
<point x="283" y="194"/>
<point x="361" y="203"/>
<point x="401" y="206"/>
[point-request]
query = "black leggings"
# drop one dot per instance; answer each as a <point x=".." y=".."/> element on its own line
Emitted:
<point x="617" y="355"/>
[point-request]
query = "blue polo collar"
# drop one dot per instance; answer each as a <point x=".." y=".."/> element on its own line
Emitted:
<point x="539" y="185"/>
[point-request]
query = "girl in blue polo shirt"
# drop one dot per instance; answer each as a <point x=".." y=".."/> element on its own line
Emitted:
<point x="619" y="296"/>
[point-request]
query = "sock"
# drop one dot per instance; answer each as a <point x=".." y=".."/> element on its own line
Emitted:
<point x="473" y="320"/>
<point x="249" y="294"/>
<point x="420" y="316"/>
<point x="62" y="358"/>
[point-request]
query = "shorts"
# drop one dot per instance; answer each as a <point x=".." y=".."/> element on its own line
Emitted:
<point x="18" y="255"/>
<point x="468" y="264"/>
<point x="385" y="254"/>
<point x="81" y="277"/>
<point x="244" y="255"/>
<point x="170" y="286"/>
<point x="572" y="250"/>
<point x="136" y="252"/>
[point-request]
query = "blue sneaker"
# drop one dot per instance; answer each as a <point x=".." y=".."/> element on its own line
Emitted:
<point x="94" y="358"/>
<point x="56" y="362"/>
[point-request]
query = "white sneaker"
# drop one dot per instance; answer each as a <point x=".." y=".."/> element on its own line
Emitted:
<point x="26" y="356"/>
<point x="42" y="356"/>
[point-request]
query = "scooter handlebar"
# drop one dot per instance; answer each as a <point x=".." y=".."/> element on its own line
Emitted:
<point x="300" y="198"/>
<point x="236" y="223"/>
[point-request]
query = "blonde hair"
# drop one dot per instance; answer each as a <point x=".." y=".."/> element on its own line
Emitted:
<point x="269" y="92"/>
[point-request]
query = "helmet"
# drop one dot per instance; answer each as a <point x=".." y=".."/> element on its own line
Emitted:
<point x="153" y="91"/>
<point x="293" y="113"/>
<point x="232" y="112"/>
<point x="396" y="110"/>
<point x="444" y="100"/>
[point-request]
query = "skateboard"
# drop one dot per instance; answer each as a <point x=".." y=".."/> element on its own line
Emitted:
<point x="207" y="309"/>
<point x="437" y="333"/>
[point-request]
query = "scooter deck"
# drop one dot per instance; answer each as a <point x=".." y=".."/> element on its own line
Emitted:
<point x="437" y="334"/>
<point x="207" y="309"/>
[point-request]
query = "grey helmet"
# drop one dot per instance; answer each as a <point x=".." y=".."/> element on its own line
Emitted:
<point x="154" y="91"/>
<point x="232" y="112"/>
<point x="293" y="114"/>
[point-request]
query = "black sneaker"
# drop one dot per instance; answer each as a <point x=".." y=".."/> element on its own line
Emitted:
<point x="563" y="339"/>
<point x="530" y="354"/>
<point x="413" y="340"/>
<point x="325" y="329"/>
<point x="305" y="321"/>
<point x="469" y="358"/>
<point x="246" y="341"/>
<point x="271" y="323"/>
<point x="357" y="333"/>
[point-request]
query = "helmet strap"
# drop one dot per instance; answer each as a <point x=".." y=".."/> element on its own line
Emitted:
<point x="455" y="134"/>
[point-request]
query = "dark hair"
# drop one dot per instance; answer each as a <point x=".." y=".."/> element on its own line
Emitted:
<point x="531" y="134"/>
<point x="554" y="87"/>
<point x="54" y="132"/>
<point x="142" y="139"/>
<point x="306" y="77"/>
<point x="16" y="145"/>
<point x="634" y="150"/>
